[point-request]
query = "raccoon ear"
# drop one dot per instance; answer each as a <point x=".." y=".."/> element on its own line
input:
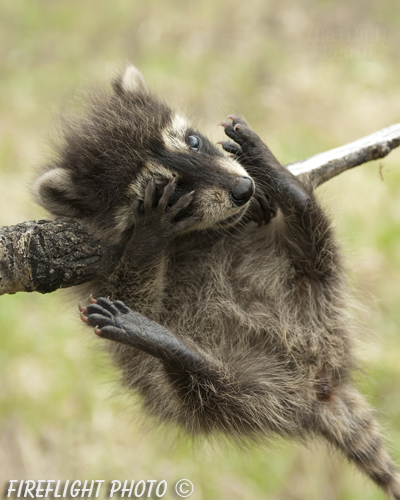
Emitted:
<point x="55" y="191"/>
<point x="130" y="81"/>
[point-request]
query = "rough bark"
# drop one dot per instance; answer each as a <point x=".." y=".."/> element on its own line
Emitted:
<point x="45" y="255"/>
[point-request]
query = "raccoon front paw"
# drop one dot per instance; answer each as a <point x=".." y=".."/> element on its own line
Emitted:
<point x="274" y="179"/>
<point x="247" y="146"/>
<point x="262" y="210"/>
<point x="248" y="150"/>
<point x="157" y="218"/>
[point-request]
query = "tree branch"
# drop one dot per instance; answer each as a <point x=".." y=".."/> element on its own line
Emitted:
<point x="45" y="255"/>
<point x="323" y="166"/>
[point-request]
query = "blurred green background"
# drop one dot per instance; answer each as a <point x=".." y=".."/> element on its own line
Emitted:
<point x="308" y="76"/>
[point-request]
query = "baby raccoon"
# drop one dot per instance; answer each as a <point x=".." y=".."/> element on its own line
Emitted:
<point x="234" y="315"/>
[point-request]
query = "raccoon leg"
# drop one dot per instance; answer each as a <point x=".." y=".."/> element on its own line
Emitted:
<point x="115" y="321"/>
<point x="277" y="181"/>
<point x="145" y="253"/>
<point x="306" y="232"/>
<point x="202" y="391"/>
<point x="347" y="422"/>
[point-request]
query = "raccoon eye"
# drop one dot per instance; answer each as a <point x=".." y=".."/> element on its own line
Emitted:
<point x="194" y="142"/>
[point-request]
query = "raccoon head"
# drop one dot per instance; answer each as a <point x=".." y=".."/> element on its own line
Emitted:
<point x="107" y="158"/>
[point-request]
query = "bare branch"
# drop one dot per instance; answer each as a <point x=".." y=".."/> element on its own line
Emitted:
<point x="46" y="255"/>
<point x="324" y="166"/>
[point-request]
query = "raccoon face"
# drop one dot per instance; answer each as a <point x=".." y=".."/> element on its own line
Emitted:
<point x="222" y="186"/>
<point x="107" y="159"/>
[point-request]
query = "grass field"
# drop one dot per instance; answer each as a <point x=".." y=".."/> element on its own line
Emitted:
<point x="308" y="78"/>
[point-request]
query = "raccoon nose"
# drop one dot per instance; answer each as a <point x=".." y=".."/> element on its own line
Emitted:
<point x="243" y="191"/>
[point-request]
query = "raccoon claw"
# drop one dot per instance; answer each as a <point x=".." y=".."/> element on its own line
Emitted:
<point x="82" y="309"/>
<point x="149" y="195"/>
<point x="182" y="203"/>
<point x="231" y="147"/>
<point x="103" y="313"/>
<point x="236" y="125"/>
<point x="109" y="332"/>
<point x="238" y="130"/>
<point x="84" y="318"/>
<point x="261" y="211"/>
<point x="161" y="217"/>
<point x="171" y="211"/>
<point x="108" y="318"/>
<point x="99" y="320"/>
<point x="236" y="121"/>
<point x="223" y="124"/>
<point x="167" y="194"/>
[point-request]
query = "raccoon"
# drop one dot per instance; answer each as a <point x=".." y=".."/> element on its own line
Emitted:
<point x="227" y="304"/>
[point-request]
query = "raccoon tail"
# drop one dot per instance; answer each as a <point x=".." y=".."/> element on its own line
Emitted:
<point x="347" y="422"/>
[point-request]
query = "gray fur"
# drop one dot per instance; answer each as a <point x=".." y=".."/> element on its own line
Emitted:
<point x="265" y="307"/>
